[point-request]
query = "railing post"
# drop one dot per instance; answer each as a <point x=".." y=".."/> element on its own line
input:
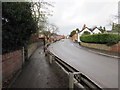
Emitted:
<point x="71" y="81"/>
<point x="51" y="59"/>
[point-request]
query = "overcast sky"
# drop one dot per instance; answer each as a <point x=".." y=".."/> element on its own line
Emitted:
<point x="72" y="14"/>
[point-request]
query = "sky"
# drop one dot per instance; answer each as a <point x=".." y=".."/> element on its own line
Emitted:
<point x="71" y="14"/>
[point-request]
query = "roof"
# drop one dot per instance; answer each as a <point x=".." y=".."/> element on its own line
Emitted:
<point x="84" y="27"/>
<point x="95" y="28"/>
<point x="91" y="29"/>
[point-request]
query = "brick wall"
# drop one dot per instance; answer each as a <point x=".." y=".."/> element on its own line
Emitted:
<point x="11" y="63"/>
<point x="96" y="46"/>
<point x="115" y="48"/>
<point x="32" y="47"/>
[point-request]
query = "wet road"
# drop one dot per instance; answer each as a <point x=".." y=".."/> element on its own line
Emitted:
<point x="101" y="69"/>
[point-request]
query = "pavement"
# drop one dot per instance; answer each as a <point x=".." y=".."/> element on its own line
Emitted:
<point x="101" y="69"/>
<point x="38" y="73"/>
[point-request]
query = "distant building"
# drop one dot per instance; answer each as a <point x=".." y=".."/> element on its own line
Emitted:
<point x="67" y="37"/>
<point x="42" y="36"/>
<point x="57" y="37"/>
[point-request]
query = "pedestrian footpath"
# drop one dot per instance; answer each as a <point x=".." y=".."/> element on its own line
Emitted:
<point x="38" y="73"/>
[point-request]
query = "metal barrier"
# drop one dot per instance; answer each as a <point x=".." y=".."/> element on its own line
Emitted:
<point x="76" y="78"/>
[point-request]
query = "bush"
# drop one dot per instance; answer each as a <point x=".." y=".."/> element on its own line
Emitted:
<point x="108" y="39"/>
<point x="86" y="33"/>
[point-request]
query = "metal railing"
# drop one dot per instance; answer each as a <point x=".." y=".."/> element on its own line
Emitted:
<point x="76" y="78"/>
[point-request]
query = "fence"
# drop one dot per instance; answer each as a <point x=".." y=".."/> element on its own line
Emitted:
<point x="76" y="78"/>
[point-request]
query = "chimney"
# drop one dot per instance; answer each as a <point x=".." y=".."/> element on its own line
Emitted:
<point x="84" y="26"/>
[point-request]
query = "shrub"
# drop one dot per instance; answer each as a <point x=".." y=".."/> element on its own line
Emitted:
<point x="108" y="39"/>
<point x="86" y="33"/>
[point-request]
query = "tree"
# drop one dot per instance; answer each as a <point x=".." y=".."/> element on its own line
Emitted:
<point x="46" y="33"/>
<point x="116" y="27"/>
<point x="102" y="29"/>
<point x="77" y="30"/>
<point x="52" y="28"/>
<point x="113" y="26"/>
<point x="40" y="13"/>
<point x="17" y="25"/>
<point x="86" y="33"/>
<point x="72" y="33"/>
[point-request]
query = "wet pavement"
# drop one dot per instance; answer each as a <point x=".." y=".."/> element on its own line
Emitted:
<point x="38" y="73"/>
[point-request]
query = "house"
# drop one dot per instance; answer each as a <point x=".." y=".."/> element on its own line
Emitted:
<point x="94" y="30"/>
<point x="85" y="29"/>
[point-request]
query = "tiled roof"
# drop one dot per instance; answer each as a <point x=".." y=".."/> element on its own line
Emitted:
<point x="91" y="29"/>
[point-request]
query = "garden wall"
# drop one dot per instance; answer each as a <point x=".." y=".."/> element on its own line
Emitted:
<point x="114" y="48"/>
<point x="32" y="47"/>
<point x="11" y="63"/>
<point x="96" y="46"/>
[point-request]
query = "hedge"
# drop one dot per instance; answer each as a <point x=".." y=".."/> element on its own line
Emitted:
<point x="108" y="39"/>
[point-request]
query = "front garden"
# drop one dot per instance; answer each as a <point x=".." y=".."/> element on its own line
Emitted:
<point x="108" y="39"/>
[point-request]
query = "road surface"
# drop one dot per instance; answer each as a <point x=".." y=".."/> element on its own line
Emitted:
<point x="101" y="69"/>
